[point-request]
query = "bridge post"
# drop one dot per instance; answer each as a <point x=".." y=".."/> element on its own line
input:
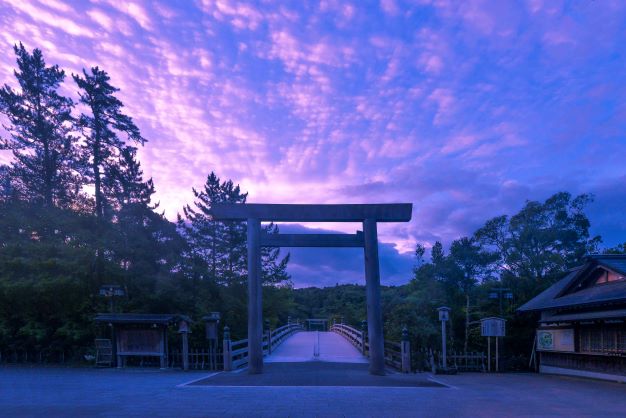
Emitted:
<point x="374" y="313"/>
<point x="268" y="330"/>
<point x="255" y="302"/>
<point x="226" y="348"/>
<point x="405" y="351"/>
<point x="363" y="337"/>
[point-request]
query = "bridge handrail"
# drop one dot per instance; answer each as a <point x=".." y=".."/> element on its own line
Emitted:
<point x="397" y="354"/>
<point x="280" y="334"/>
<point x="353" y="335"/>
<point x="393" y="354"/>
<point x="237" y="351"/>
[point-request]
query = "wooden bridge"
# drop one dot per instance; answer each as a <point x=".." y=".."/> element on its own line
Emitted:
<point x="291" y="344"/>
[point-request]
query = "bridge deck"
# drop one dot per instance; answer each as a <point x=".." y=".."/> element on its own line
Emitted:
<point x="301" y="347"/>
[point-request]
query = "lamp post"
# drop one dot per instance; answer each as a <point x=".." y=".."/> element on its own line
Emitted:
<point x="183" y="330"/>
<point x="444" y="315"/>
<point x="212" y="321"/>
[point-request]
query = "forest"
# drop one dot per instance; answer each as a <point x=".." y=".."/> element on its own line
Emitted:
<point x="77" y="213"/>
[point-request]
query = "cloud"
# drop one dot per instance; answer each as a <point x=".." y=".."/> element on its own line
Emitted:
<point x="466" y="109"/>
<point x="329" y="266"/>
<point x="36" y="12"/>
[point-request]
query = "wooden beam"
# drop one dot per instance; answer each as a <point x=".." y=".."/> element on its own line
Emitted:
<point x="387" y="212"/>
<point x="312" y="240"/>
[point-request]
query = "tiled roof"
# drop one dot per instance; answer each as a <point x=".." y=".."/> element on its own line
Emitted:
<point x="563" y="294"/>
<point x="133" y="318"/>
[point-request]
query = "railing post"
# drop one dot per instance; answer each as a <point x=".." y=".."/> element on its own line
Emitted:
<point x="228" y="359"/>
<point x="405" y="351"/>
<point x="431" y="360"/>
<point x="268" y="331"/>
<point x="363" y="336"/>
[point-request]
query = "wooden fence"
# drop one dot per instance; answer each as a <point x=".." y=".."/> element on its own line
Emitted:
<point x="430" y="360"/>
<point x="201" y="358"/>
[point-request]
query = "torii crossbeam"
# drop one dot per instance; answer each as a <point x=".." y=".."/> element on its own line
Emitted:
<point x="368" y="214"/>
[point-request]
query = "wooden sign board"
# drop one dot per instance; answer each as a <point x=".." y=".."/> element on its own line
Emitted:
<point x="492" y="327"/>
<point x="140" y="341"/>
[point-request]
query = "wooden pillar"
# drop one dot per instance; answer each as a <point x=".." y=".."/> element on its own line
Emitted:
<point x="163" y="348"/>
<point x="255" y="302"/>
<point x="185" y="336"/>
<point x="374" y="313"/>
<point x="488" y="354"/>
<point x="497" y="360"/>
<point x="118" y="349"/>
<point x="226" y="348"/>
<point x="405" y="351"/>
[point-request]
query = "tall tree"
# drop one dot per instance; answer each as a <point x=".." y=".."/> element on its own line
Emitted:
<point x="125" y="184"/>
<point x="102" y="128"/>
<point x="40" y="123"/>
<point x="543" y="239"/>
<point x="207" y="238"/>
<point x="468" y="266"/>
<point x="6" y="188"/>
<point x="222" y="245"/>
<point x="274" y="269"/>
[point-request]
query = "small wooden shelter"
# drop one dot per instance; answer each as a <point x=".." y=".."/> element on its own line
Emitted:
<point x="582" y="330"/>
<point x="142" y="334"/>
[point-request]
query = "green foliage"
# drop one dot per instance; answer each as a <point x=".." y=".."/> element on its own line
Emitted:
<point x="58" y="245"/>
<point x="104" y="151"/>
<point x="40" y="123"/>
<point x="524" y="253"/>
<point x="618" y="249"/>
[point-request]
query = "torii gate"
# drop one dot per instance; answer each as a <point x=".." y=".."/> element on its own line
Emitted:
<point x="368" y="214"/>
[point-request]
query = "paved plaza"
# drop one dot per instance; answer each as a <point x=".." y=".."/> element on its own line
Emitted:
<point x="55" y="391"/>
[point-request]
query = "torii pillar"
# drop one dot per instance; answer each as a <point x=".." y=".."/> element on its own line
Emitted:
<point x="368" y="214"/>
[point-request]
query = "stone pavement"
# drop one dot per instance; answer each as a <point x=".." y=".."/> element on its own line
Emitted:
<point x="69" y="392"/>
<point x="319" y="373"/>
<point x="300" y="347"/>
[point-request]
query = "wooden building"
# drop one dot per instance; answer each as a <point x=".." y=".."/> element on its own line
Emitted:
<point x="582" y="329"/>
<point x="144" y="335"/>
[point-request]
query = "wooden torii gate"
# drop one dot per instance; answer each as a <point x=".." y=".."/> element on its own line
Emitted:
<point x="368" y="214"/>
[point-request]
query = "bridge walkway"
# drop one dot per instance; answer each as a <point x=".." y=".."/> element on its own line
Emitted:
<point x="316" y="346"/>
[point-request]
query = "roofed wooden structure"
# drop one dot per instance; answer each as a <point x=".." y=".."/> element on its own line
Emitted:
<point x="582" y="330"/>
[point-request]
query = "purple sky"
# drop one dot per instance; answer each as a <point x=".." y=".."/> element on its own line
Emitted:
<point x="466" y="109"/>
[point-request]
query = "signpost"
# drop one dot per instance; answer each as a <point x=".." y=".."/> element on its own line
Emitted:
<point x="444" y="316"/>
<point x="492" y="327"/>
<point x="211" y="324"/>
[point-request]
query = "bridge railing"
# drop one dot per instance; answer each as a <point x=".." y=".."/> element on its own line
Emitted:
<point x="236" y="352"/>
<point x="356" y="337"/>
<point x="397" y="354"/>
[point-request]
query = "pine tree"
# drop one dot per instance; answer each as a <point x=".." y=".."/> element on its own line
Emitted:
<point x="274" y="269"/>
<point x="124" y="182"/>
<point x="40" y="126"/>
<point x="101" y="129"/>
<point x="6" y="188"/>
<point x="221" y="245"/>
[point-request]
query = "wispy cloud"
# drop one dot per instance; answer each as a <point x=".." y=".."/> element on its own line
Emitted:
<point x="466" y="109"/>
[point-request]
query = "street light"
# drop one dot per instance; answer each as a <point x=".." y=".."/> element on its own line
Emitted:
<point x="444" y="315"/>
